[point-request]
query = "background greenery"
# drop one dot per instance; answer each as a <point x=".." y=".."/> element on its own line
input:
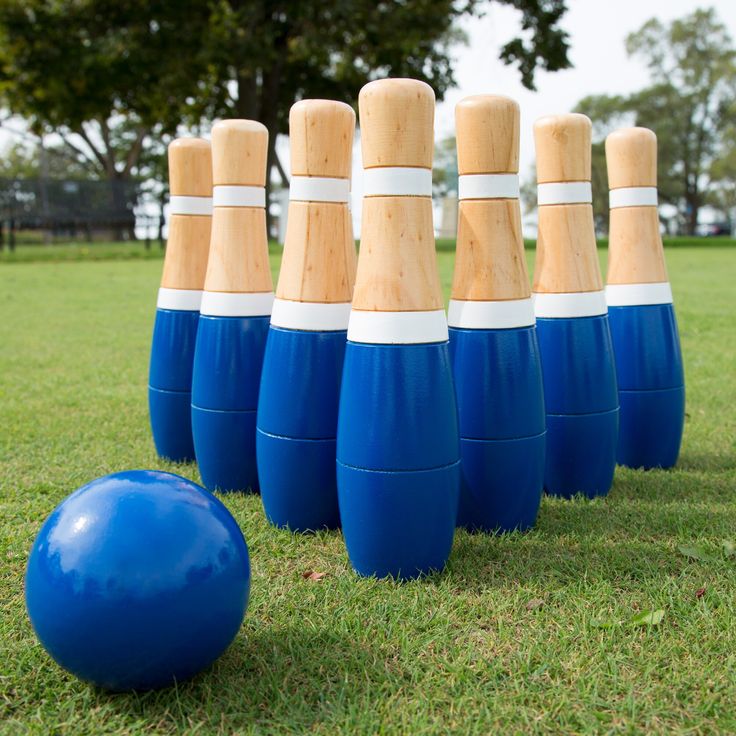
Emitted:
<point x="533" y="633"/>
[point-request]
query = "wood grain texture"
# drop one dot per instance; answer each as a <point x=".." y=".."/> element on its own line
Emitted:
<point x="238" y="259"/>
<point x="635" y="252"/>
<point x="566" y="260"/>
<point x="397" y="266"/>
<point x="190" y="167"/>
<point x="321" y="138"/>
<point x="487" y="130"/>
<point x="562" y="144"/>
<point x="397" y="123"/>
<point x="631" y="158"/>
<point x="319" y="259"/>
<point x="239" y="149"/>
<point x="187" y="251"/>
<point x="489" y="261"/>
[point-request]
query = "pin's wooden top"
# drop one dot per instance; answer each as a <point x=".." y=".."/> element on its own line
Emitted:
<point x="239" y="150"/>
<point x="397" y="123"/>
<point x="190" y="167"/>
<point x="321" y="138"/>
<point x="631" y="158"/>
<point x="562" y="144"/>
<point x="487" y="135"/>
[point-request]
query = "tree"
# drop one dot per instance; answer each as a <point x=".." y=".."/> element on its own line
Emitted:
<point x="110" y="75"/>
<point x="107" y="77"/>
<point x="689" y="105"/>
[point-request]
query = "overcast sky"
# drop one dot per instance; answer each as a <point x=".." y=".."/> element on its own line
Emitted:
<point x="597" y="29"/>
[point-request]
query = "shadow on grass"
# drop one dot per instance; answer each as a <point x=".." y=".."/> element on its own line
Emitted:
<point x="298" y="678"/>
<point x="706" y="461"/>
<point x="628" y="536"/>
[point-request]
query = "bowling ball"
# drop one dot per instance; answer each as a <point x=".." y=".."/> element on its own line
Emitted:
<point x="137" y="580"/>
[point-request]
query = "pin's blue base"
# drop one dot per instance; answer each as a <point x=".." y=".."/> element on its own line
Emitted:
<point x="297" y="426"/>
<point x="171" y="423"/>
<point x="581" y="402"/>
<point x="225" y="442"/>
<point x="651" y="384"/>
<point x="298" y="482"/>
<point x="170" y="383"/>
<point x="398" y="453"/>
<point x="225" y="381"/>
<point x="498" y="381"/>
<point x="581" y="454"/>
<point x="651" y="428"/>
<point x="398" y="524"/>
<point x="501" y="486"/>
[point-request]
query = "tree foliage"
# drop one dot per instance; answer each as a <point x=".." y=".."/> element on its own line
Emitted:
<point x="110" y="75"/>
<point x="689" y="105"/>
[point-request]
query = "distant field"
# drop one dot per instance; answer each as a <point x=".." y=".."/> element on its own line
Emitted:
<point x="138" y="251"/>
<point x="532" y="633"/>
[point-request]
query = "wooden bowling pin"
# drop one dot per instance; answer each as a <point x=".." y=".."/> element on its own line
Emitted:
<point x="651" y="384"/>
<point x="302" y="367"/>
<point x="493" y="341"/>
<point x="235" y="311"/>
<point x="177" y="313"/>
<point x="398" y="454"/>
<point x="578" y="368"/>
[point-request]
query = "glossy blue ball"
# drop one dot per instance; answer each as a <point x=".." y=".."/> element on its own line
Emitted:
<point x="138" y="580"/>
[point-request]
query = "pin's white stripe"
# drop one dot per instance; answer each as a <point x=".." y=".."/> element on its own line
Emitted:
<point x="568" y="192"/>
<point x="633" y="295"/>
<point x="319" y="189"/>
<point x="237" y="196"/>
<point x="397" y="181"/>
<point x="398" y="328"/>
<point x="490" y="315"/>
<point x="488" y="186"/>
<point x="578" y="304"/>
<point x="310" y="316"/>
<point x="183" y="205"/>
<point x="228" y="304"/>
<point x="632" y="197"/>
<point x="184" y="300"/>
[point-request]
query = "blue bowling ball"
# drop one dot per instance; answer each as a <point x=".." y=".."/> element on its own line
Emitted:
<point x="137" y="580"/>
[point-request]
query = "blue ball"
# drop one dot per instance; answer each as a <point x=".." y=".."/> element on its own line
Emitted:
<point x="137" y="580"/>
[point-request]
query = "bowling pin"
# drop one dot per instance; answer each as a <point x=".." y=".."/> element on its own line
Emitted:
<point x="651" y="384"/>
<point x="578" y="367"/>
<point x="177" y="313"/>
<point x="302" y="367"/>
<point x="235" y="311"/>
<point x="493" y="340"/>
<point x="398" y="454"/>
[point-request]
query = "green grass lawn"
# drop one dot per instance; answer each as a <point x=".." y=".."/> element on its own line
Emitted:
<point x="521" y="633"/>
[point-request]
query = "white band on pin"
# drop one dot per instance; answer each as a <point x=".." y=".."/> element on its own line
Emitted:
<point x="230" y="304"/>
<point x="319" y="189"/>
<point x="184" y="205"/>
<point x="632" y="197"/>
<point x="237" y="196"/>
<point x="577" y="304"/>
<point x="567" y="192"/>
<point x="183" y="300"/>
<point x="398" y="328"/>
<point x="488" y="186"/>
<point x="491" y="315"/>
<point x="397" y="181"/>
<point x="634" y="295"/>
<point x="310" y="316"/>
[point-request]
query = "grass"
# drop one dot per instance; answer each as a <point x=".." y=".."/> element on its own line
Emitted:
<point x="520" y="634"/>
<point x="65" y="252"/>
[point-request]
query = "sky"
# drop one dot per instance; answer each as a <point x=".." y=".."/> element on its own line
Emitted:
<point x="596" y="28"/>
